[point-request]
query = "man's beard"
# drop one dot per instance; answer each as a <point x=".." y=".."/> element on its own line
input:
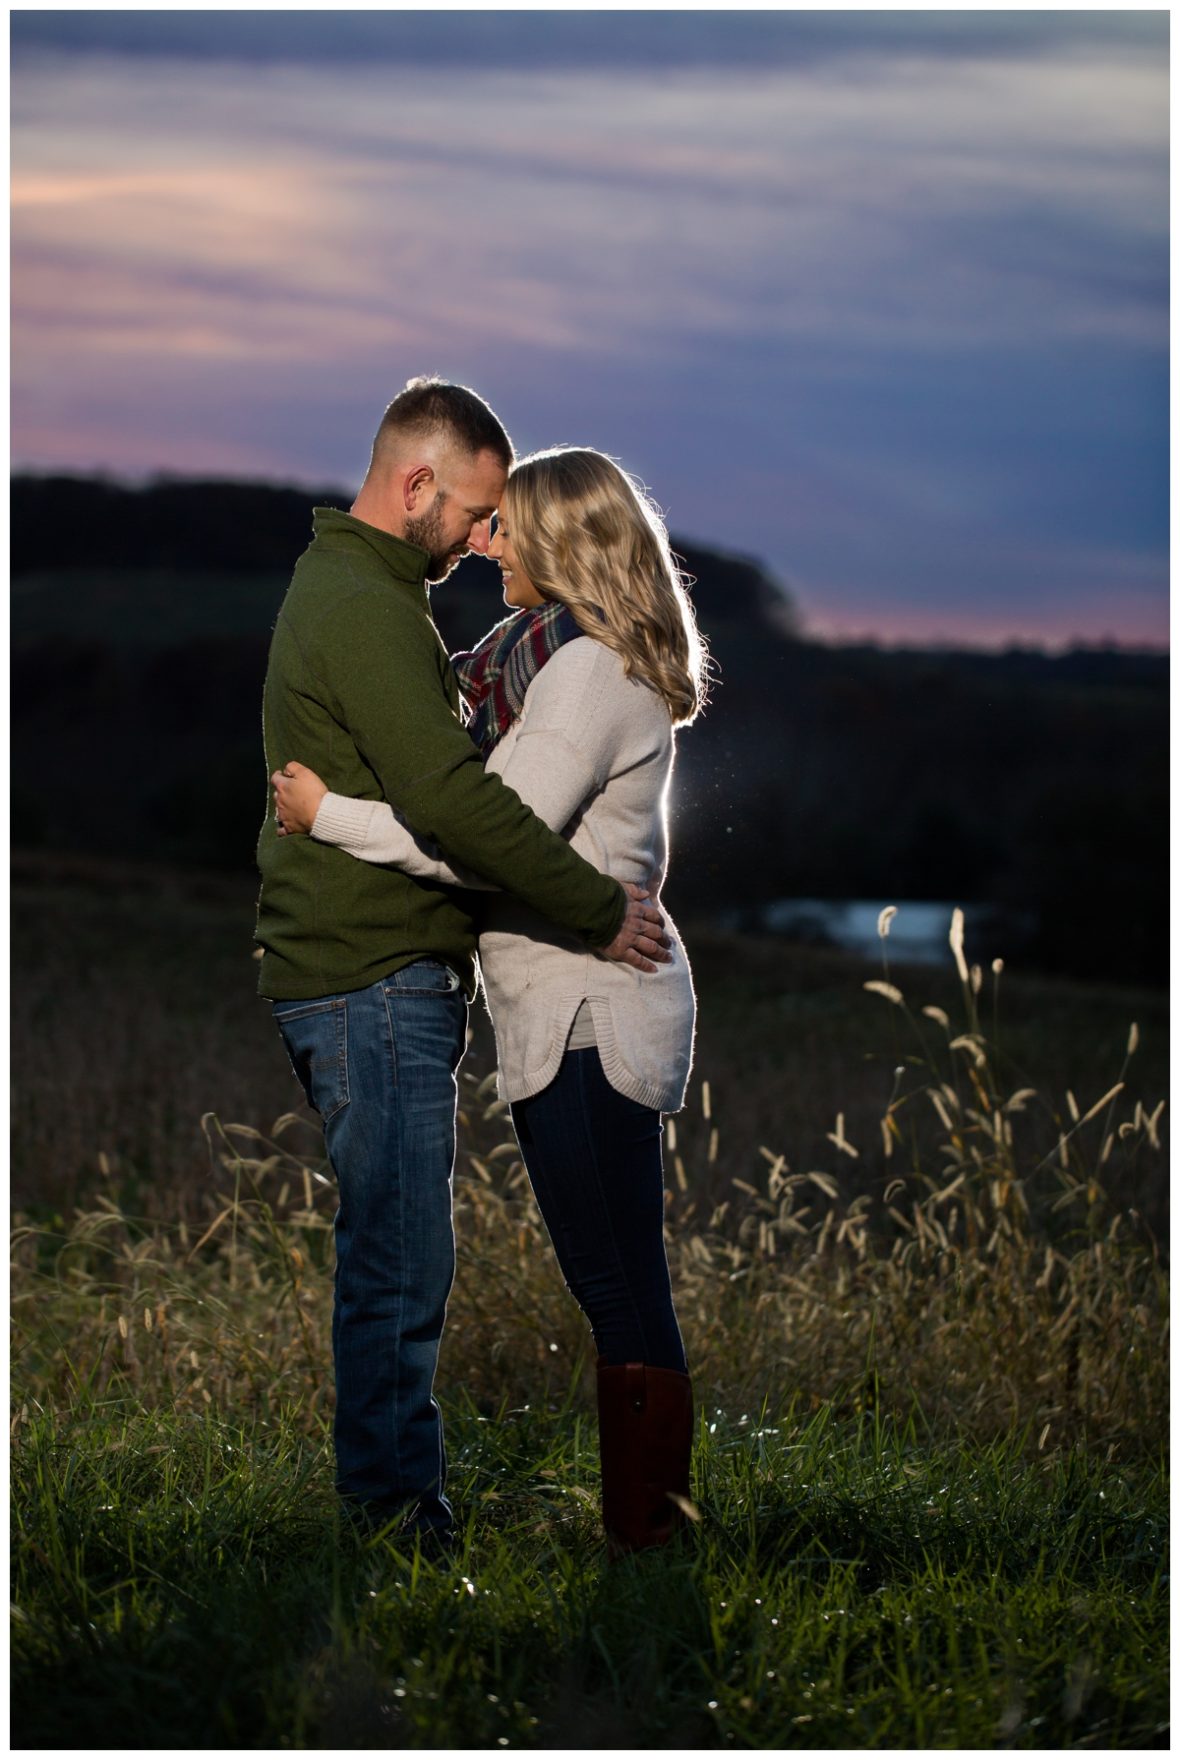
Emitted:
<point x="426" y="531"/>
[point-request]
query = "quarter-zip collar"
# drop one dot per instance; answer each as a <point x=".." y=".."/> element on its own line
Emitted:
<point x="405" y="562"/>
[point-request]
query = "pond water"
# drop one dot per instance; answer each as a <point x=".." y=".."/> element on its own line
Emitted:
<point x="918" y="934"/>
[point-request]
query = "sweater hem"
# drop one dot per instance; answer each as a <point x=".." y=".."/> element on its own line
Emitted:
<point x="659" y="1096"/>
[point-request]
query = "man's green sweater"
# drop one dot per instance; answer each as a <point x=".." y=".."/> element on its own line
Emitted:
<point x="359" y="687"/>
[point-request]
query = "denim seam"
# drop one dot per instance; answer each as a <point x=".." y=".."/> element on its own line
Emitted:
<point x="342" y="1061"/>
<point x="401" y="1236"/>
<point x="392" y="1039"/>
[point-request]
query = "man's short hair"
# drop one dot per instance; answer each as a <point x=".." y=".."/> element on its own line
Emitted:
<point x="433" y="406"/>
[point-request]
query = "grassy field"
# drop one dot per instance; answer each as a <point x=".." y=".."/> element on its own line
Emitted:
<point x="186" y="1583"/>
<point x="913" y="1235"/>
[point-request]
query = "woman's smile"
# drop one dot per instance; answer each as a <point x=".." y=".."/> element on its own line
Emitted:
<point x="518" y="588"/>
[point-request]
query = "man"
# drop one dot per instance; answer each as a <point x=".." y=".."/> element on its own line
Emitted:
<point x="369" y="970"/>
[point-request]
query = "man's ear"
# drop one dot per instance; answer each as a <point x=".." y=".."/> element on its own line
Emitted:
<point x="415" y="486"/>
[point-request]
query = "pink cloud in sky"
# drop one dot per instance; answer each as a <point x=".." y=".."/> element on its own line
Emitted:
<point x="1137" y="620"/>
<point x="812" y="302"/>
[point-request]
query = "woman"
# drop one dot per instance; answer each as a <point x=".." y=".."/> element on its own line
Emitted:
<point x="574" y="702"/>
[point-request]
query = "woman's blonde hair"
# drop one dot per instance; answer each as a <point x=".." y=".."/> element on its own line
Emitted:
<point x="587" y="534"/>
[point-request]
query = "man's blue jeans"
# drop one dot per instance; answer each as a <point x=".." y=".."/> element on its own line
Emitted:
<point x="379" y="1067"/>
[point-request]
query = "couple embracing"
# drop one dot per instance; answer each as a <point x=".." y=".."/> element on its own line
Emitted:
<point x="510" y="799"/>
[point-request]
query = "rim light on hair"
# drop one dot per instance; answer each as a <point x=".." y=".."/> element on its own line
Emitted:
<point x="588" y="535"/>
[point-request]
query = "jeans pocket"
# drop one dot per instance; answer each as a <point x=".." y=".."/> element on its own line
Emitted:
<point x="316" y="1037"/>
<point x="426" y="1016"/>
<point x="423" y="977"/>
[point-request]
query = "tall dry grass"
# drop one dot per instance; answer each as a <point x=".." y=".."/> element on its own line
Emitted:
<point x="988" y="1283"/>
<point x="134" y="1013"/>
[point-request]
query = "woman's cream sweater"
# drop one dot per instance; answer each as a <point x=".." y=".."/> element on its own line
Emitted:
<point x="592" y="755"/>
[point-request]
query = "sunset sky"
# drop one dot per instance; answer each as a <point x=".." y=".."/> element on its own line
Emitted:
<point x="878" y="298"/>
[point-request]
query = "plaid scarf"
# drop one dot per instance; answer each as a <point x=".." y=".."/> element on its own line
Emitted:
<point x="498" y="671"/>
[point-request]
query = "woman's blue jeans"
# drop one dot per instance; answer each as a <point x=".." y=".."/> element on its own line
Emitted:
<point x="593" y="1157"/>
<point x="378" y="1065"/>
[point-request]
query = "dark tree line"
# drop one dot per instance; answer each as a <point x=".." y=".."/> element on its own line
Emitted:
<point x="1036" y="783"/>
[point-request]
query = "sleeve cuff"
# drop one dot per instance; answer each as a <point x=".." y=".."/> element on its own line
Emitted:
<point x="624" y="899"/>
<point x="344" y="821"/>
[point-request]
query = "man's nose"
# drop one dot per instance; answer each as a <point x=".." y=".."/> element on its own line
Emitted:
<point x="479" y="538"/>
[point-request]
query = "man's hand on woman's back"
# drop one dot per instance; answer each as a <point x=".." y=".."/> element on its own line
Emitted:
<point x="641" y="941"/>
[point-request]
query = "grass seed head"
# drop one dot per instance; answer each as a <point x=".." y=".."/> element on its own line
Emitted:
<point x="889" y="991"/>
<point x="956" y="943"/>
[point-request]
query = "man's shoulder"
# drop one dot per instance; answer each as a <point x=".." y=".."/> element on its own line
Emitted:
<point x="344" y="584"/>
<point x="341" y="631"/>
<point x="330" y="567"/>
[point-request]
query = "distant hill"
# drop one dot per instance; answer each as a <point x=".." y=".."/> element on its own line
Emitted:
<point x="140" y="626"/>
<point x="246" y="536"/>
<point x="68" y="522"/>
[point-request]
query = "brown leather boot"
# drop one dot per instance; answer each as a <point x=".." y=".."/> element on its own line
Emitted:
<point x="644" y="1439"/>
